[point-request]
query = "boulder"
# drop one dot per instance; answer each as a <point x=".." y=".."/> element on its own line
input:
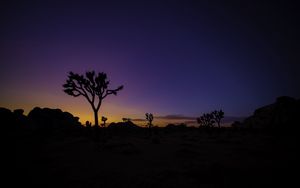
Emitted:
<point x="283" y="114"/>
<point x="52" y="119"/>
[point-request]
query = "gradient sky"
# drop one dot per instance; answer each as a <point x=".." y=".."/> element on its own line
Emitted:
<point x="173" y="57"/>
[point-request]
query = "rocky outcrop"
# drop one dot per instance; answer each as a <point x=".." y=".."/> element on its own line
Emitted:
<point x="6" y="117"/>
<point x="52" y="119"/>
<point x="283" y="114"/>
<point x="13" y="120"/>
<point x="123" y="125"/>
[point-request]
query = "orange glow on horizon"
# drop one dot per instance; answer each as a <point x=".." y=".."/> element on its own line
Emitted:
<point x="112" y="112"/>
<point x="78" y="107"/>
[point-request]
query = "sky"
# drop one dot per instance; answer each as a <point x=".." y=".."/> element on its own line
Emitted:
<point x="175" y="58"/>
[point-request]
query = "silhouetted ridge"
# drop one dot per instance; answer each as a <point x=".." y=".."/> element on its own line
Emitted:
<point x="6" y="116"/>
<point x="173" y="126"/>
<point x="13" y="120"/>
<point x="283" y="114"/>
<point x="123" y="125"/>
<point x="52" y="119"/>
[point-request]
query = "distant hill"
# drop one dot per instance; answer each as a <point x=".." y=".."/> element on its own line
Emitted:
<point x="48" y="118"/>
<point x="123" y="125"/>
<point x="284" y="113"/>
<point x="39" y="119"/>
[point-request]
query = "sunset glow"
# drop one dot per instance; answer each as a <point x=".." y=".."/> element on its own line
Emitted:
<point x="172" y="58"/>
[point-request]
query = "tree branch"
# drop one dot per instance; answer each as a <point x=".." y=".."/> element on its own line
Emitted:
<point x="112" y="91"/>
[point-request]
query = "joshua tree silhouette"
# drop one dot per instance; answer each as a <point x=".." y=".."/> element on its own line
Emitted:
<point x="149" y="118"/>
<point x="217" y="116"/>
<point x="104" y="119"/>
<point x="94" y="87"/>
<point x="206" y="120"/>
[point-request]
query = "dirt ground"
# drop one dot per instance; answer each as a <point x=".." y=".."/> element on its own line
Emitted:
<point x="165" y="159"/>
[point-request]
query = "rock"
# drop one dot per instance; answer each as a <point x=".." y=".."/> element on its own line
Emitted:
<point x="6" y="116"/>
<point x="123" y="125"/>
<point x="52" y="119"/>
<point x="283" y="114"/>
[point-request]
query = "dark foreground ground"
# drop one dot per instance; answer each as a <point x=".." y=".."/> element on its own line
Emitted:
<point x="189" y="158"/>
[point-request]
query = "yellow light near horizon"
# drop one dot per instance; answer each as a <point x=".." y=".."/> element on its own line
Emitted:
<point x="81" y="109"/>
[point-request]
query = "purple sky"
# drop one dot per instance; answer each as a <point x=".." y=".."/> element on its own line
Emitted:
<point x="173" y="57"/>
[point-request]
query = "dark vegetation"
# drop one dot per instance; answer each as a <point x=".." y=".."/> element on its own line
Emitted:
<point x="208" y="120"/>
<point x="52" y="149"/>
<point x="104" y="119"/>
<point x="149" y="118"/>
<point x="94" y="87"/>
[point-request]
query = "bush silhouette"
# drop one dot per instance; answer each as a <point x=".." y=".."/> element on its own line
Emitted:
<point x="88" y="124"/>
<point x="218" y="115"/>
<point x="206" y="120"/>
<point x="149" y="118"/>
<point x="104" y="119"/>
<point x="94" y="87"/>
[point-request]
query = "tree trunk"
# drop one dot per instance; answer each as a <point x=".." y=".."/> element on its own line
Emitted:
<point x="96" y="117"/>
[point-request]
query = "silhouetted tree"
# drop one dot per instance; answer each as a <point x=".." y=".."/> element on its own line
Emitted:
<point x="206" y="120"/>
<point x="104" y="119"/>
<point x="149" y="118"/>
<point x="94" y="87"/>
<point x="88" y="124"/>
<point x="218" y="115"/>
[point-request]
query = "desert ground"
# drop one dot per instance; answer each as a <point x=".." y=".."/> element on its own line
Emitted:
<point x="164" y="158"/>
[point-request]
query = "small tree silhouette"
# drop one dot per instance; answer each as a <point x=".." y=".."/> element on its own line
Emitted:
<point x="104" y="119"/>
<point x="218" y="116"/>
<point x="93" y="87"/>
<point x="149" y="118"/>
<point x="88" y="124"/>
<point x="206" y="120"/>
